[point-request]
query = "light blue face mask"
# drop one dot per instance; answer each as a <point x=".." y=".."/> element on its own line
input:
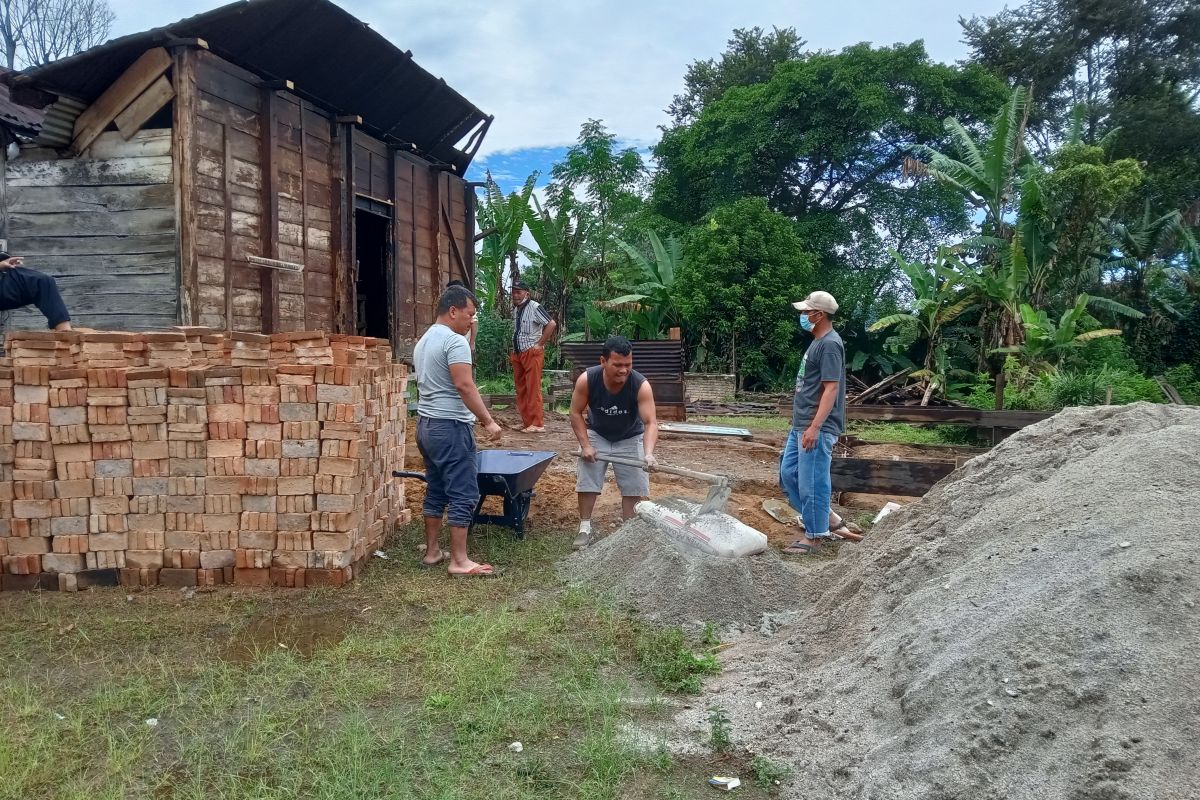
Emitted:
<point x="806" y="323"/>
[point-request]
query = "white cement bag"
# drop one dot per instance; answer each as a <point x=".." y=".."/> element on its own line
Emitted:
<point x="715" y="533"/>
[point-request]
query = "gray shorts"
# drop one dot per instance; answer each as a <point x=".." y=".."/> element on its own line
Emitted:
<point x="632" y="481"/>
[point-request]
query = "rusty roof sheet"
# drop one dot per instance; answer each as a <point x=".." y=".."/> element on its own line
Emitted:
<point x="18" y="119"/>
<point x="334" y="59"/>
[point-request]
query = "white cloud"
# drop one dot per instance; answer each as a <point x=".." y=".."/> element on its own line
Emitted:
<point x="543" y="68"/>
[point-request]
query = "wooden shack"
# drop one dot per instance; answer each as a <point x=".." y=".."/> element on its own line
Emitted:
<point x="271" y="165"/>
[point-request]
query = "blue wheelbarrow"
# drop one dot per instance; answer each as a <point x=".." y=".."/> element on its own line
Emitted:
<point x="508" y="474"/>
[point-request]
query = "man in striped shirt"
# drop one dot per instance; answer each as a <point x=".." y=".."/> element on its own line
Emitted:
<point x="532" y="329"/>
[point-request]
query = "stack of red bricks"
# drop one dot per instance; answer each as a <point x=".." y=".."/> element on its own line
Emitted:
<point x="189" y="457"/>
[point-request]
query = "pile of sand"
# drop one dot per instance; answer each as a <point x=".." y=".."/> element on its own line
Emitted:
<point x="646" y="570"/>
<point x="1028" y="630"/>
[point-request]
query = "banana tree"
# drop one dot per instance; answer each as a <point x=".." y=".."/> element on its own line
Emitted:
<point x="561" y="239"/>
<point x="501" y="222"/>
<point x="1048" y="342"/>
<point x="986" y="172"/>
<point x="1150" y="260"/>
<point x="650" y="287"/>
<point x="939" y="299"/>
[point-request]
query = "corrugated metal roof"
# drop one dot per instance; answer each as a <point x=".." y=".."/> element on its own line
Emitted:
<point x="18" y="119"/>
<point x="59" y="126"/>
<point x="334" y="59"/>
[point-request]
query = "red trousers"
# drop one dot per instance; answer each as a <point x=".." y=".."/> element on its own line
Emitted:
<point x="527" y="374"/>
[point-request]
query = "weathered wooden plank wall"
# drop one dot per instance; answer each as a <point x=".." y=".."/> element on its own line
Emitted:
<point x="262" y="186"/>
<point x="226" y="191"/>
<point x="433" y="235"/>
<point x="103" y="225"/>
<point x="303" y="157"/>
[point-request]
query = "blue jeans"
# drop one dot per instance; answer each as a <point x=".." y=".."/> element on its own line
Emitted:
<point x="451" y="473"/>
<point x="804" y="476"/>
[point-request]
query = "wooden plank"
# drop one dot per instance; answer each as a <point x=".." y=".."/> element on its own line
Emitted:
<point x="184" y="116"/>
<point x="1171" y="392"/>
<point x="142" y="321"/>
<point x="268" y="278"/>
<point x="93" y="245"/>
<point x="93" y="223"/>
<point x="135" y="80"/>
<point x="345" y="311"/>
<point x="91" y="172"/>
<point x="75" y="199"/>
<point x="404" y="243"/>
<point x="149" y="142"/>
<point x="148" y="103"/>
<point x="871" y="391"/>
<point x="161" y="284"/>
<point x="887" y="476"/>
<point x="108" y="264"/>
<point x="214" y="77"/>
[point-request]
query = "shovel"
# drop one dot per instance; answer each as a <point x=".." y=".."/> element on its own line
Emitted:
<point x="718" y="494"/>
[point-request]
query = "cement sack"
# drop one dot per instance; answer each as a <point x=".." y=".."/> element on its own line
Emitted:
<point x="715" y="533"/>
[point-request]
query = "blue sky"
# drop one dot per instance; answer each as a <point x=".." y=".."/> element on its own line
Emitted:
<point x="543" y="68"/>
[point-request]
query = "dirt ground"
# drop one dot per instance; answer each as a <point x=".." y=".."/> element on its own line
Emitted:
<point x="753" y="465"/>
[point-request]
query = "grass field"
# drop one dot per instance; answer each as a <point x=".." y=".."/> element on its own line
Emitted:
<point x="403" y="684"/>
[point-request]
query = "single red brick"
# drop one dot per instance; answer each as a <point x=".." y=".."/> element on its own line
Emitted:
<point x="177" y="578"/>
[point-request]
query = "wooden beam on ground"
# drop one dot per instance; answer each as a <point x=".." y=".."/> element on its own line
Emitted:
<point x="117" y="97"/>
<point x="148" y="103"/>
<point x="946" y="416"/>
<point x="1171" y="392"/>
<point x="887" y="476"/>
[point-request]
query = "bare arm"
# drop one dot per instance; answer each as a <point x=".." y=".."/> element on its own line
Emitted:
<point x="547" y="332"/>
<point x="464" y="382"/>
<point x="579" y="402"/>
<point x="649" y="417"/>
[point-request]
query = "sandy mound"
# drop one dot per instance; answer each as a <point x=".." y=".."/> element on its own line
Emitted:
<point x="667" y="583"/>
<point x="996" y="640"/>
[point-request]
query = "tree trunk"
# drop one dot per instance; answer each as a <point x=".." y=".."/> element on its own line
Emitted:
<point x="1001" y="380"/>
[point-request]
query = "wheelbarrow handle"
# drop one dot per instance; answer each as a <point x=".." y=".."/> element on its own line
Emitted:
<point x="405" y="474"/>
<point x="718" y="480"/>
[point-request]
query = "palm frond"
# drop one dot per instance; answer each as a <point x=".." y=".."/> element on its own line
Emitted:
<point x="1113" y="307"/>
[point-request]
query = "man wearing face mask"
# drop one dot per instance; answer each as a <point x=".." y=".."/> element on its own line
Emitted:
<point x="818" y="419"/>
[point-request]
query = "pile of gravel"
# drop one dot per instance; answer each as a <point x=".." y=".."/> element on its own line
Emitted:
<point x="669" y="583"/>
<point x="1028" y="630"/>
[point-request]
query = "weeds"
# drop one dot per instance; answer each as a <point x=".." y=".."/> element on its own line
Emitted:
<point x="769" y="774"/>
<point x="720" y="733"/>
<point x="666" y="657"/>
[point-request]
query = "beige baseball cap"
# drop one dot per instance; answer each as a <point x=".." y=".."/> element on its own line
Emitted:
<point x="817" y="301"/>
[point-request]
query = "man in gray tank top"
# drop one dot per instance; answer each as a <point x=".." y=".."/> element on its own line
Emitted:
<point x="620" y="420"/>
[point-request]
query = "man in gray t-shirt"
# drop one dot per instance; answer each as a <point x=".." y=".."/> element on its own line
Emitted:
<point x="447" y="407"/>
<point x="818" y="419"/>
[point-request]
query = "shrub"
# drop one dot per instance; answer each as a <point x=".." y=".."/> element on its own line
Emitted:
<point x="492" y="344"/>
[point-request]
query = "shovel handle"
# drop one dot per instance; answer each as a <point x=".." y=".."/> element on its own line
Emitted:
<point x="640" y="464"/>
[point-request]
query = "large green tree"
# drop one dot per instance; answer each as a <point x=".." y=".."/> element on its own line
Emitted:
<point x="610" y="180"/>
<point x="824" y="141"/>
<point x="1134" y="65"/>
<point x="750" y="57"/>
<point x="743" y="268"/>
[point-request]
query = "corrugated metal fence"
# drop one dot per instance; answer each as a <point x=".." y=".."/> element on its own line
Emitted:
<point x="661" y="361"/>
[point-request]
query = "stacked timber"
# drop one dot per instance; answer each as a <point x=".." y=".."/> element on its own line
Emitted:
<point x="195" y="474"/>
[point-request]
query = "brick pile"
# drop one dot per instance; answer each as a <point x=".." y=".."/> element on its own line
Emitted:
<point x="195" y="458"/>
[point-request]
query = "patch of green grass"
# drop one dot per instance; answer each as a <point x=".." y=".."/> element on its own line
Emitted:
<point x="416" y="690"/>
<point x="769" y="774"/>
<point x="903" y="433"/>
<point x="776" y="423"/>
<point x="664" y="654"/>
